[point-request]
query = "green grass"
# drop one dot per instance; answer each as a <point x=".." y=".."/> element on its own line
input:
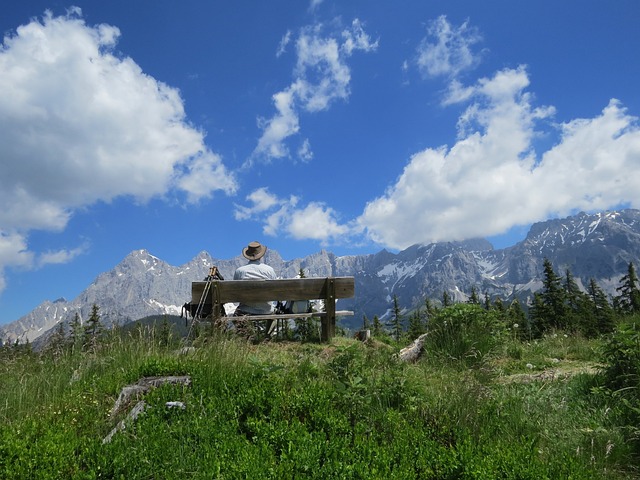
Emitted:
<point x="290" y="410"/>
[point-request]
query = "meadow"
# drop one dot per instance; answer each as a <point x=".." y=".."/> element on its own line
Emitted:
<point x="479" y="404"/>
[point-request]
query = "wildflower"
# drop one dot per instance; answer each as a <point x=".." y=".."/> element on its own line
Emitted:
<point x="515" y="325"/>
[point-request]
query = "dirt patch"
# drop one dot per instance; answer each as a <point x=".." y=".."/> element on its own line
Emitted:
<point x="561" y="372"/>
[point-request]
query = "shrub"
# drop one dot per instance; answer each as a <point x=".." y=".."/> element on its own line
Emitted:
<point x="621" y="377"/>
<point x="466" y="333"/>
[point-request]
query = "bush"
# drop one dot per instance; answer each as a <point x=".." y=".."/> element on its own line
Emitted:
<point x="466" y="333"/>
<point x="621" y="377"/>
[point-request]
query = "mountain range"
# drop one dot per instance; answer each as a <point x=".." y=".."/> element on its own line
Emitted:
<point x="596" y="245"/>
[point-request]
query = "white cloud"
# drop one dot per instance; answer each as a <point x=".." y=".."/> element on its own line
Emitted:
<point x="61" y="256"/>
<point x="280" y="126"/>
<point x="261" y="200"/>
<point x="357" y="39"/>
<point x="321" y="76"/>
<point x="13" y="253"/>
<point x="315" y="4"/>
<point x="282" y="47"/>
<point x="80" y="124"/>
<point x="446" y="51"/>
<point x="304" y="152"/>
<point x="492" y="179"/>
<point x="315" y="221"/>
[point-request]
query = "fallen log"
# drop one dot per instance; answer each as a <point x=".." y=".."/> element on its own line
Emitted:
<point x="413" y="351"/>
<point x="142" y="386"/>
<point x="135" y="391"/>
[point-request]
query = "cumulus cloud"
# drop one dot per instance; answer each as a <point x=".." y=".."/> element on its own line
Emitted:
<point x="14" y="253"/>
<point x="321" y="76"/>
<point x="447" y="50"/>
<point x="492" y="179"/>
<point x="314" y="221"/>
<point x="80" y="123"/>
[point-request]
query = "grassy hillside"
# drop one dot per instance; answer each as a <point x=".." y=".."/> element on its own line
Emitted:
<point x="471" y="408"/>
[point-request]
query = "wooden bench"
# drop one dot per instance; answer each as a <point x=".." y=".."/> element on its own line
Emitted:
<point x="210" y="296"/>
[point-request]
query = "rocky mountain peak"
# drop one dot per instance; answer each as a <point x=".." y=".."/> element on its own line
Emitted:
<point x="597" y="245"/>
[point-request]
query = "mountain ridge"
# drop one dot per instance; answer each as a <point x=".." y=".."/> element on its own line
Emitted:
<point x="598" y="245"/>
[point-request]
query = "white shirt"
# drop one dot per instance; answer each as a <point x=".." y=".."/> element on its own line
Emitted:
<point x="255" y="270"/>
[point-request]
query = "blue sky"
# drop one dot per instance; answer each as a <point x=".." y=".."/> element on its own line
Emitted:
<point x="351" y="126"/>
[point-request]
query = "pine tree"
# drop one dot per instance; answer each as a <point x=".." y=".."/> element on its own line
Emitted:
<point x="487" y="301"/>
<point x="377" y="326"/>
<point x="57" y="342"/>
<point x="538" y="316"/>
<point x="416" y="325"/>
<point x="430" y="309"/>
<point x="76" y="333"/>
<point x="628" y="300"/>
<point x="446" y="299"/>
<point x="498" y="305"/>
<point x="603" y="314"/>
<point x="396" y="320"/>
<point x="517" y="319"/>
<point x="578" y="312"/>
<point x="473" y="298"/>
<point x="92" y="329"/>
<point x="365" y="322"/>
<point x="553" y="298"/>
<point x="166" y="332"/>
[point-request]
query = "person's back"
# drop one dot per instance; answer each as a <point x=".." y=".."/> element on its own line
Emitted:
<point x="254" y="270"/>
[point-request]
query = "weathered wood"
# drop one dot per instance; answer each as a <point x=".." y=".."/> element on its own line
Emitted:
<point x="328" y="323"/>
<point x="252" y="291"/>
<point x="142" y="386"/>
<point x="136" y="390"/>
<point x="413" y="351"/>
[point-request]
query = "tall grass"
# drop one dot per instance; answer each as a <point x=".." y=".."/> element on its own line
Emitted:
<point x="288" y="410"/>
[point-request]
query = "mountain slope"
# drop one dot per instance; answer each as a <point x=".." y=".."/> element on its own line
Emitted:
<point x="598" y="246"/>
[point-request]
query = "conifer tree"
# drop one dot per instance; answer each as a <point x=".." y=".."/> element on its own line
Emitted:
<point x="396" y="320"/>
<point x="628" y="300"/>
<point x="57" y="342"/>
<point x="517" y="319"/>
<point x="165" y="332"/>
<point x="538" y="316"/>
<point x="498" y="305"/>
<point x="416" y="325"/>
<point x="365" y="322"/>
<point x="578" y="312"/>
<point x="553" y="298"/>
<point x="76" y="333"/>
<point x="473" y="298"/>
<point x="446" y="299"/>
<point x="430" y="309"/>
<point x="377" y="326"/>
<point x="93" y="328"/>
<point x="602" y="311"/>
<point x="487" y="301"/>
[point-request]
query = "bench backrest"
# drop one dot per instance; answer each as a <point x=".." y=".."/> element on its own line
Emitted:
<point x="225" y="291"/>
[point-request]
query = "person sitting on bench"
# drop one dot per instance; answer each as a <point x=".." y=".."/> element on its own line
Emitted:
<point x="254" y="270"/>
